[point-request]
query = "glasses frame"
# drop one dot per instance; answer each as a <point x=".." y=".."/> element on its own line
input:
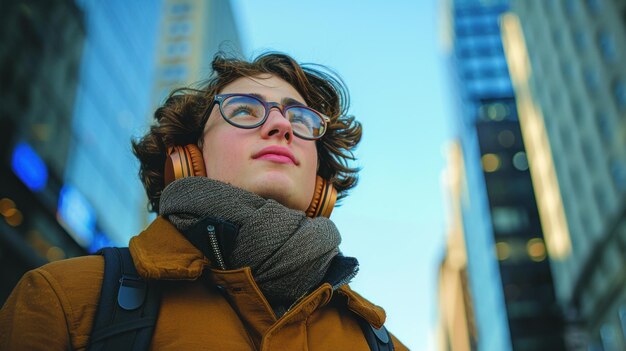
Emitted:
<point x="220" y="98"/>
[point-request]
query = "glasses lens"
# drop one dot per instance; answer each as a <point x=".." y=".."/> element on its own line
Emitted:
<point x="243" y="110"/>
<point x="305" y="122"/>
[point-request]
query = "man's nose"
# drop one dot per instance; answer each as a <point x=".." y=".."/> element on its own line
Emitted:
<point x="277" y="125"/>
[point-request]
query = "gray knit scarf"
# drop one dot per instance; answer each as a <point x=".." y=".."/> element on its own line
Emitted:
<point x="288" y="252"/>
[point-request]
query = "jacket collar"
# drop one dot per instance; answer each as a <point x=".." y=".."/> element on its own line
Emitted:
<point x="161" y="252"/>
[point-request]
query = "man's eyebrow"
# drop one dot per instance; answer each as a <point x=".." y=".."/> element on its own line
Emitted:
<point x="285" y="102"/>
<point x="290" y="102"/>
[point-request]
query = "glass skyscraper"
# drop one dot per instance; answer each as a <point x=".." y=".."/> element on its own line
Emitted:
<point x="112" y="105"/>
<point x="509" y="275"/>
<point x="567" y="59"/>
<point x="42" y="44"/>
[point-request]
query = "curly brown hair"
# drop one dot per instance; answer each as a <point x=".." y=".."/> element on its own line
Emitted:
<point x="179" y="121"/>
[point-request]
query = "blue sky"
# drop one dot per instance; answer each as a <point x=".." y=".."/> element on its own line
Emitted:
<point x="389" y="54"/>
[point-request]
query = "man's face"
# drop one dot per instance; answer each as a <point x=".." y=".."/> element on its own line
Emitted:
<point x="269" y="160"/>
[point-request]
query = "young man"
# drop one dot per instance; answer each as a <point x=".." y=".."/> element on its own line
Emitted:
<point x="243" y="174"/>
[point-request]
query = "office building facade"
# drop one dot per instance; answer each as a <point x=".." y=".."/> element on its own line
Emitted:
<point x="112" y="102"/>
<point x="566" y="60"/>
<point x="457" y="324"/>
<point x="42" y="44"/>
<point x="509" y="275"/>
<point x="192" y="32"/>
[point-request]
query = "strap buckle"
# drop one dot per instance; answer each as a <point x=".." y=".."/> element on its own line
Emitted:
<point x="132" y="292"/>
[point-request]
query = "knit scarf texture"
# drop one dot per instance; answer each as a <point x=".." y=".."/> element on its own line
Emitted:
<point x="287" y="252"/>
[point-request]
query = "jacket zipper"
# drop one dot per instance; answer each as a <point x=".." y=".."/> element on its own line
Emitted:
<point x="214" y="246"/>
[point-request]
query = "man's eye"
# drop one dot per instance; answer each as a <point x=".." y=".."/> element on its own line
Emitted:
<point x="301" y="123"/>
<point x="242" y="111"/>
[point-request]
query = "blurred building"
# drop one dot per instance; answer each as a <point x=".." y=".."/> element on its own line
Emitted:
<point x="42" y="43"/>
<point x="567" y="62"/>
<point x="457" y="328"/>
<point x="112" y="102"/>
<point x="509" y="275"/>
<point x="192" y="31"/>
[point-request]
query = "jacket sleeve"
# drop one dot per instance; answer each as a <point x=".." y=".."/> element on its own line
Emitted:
<point x="34" y="316"/>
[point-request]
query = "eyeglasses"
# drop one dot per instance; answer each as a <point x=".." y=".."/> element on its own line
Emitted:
<point x="248" y="112"/>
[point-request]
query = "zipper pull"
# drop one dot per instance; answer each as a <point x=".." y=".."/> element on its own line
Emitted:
<point x="214" y="247"/>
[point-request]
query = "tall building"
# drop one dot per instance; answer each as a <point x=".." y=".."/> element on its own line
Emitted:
<point x="42" y="43"/>
<point x="509" y="275"/>
<point x="192" y="31"/>
<point x="102" y="199"/>
<point x="567" y="63"/>
<point x="457" y="328"/>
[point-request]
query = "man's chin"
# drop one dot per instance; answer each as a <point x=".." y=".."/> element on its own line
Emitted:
<point x="281" y="196"/>
<point x="281" y="192"/>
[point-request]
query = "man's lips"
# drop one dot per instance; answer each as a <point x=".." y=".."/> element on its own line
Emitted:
<point x="279" y="154"/>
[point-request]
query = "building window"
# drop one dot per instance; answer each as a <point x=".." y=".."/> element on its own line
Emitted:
<point x="536" y="249"/>
<point x="619" y="93"/>
<point x="580" y="40"/>
<point x="556" y="98"/>
<point x="557" y="37"/>
<point x="503" y="250"/>
<point x="571" y="7"/>
<point x="578" y="111"/>
<point x="592" y="80"/>
<point x="491" y="162"/>
<point x="506" y="138"/>
<point x="566" y="137"/>
<point x="618" y="173"/>
<point x="607" y="46"/>
<point x="179" y="29"/>
<point x="605" y="127"/>
<point x="180" y="9"/>
<point x="549" y="5"/>
<point x="496" y="111"/>
<point x="594" y="6"/>
<point x="178" y="49"/>
<point x="567" y="69"/>
<point x="588" y="152"/>
<point x="508" y="220"/>
<point x="174" y="73"/>
<point x="600" y="195"/>
<point x="577" y="180"/>
<point x="520" y="161"/>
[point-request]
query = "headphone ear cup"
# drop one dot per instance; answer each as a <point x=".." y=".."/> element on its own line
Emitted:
<point x="183" y="161"/>
<point x="324" y="198"/>
<point x="197" y="162"/>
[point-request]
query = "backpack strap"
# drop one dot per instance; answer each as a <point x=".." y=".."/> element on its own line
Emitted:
<point x="377" y="339"/>
<point x="128" y="307"/>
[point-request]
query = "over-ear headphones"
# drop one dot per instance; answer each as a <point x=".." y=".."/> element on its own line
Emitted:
<point x="186" y="161"/>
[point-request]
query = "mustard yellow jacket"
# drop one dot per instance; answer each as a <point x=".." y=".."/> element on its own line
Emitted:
<point x="53" y="307"/>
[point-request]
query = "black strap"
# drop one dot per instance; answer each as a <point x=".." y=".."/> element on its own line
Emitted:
<point x="128" y="306"/>
<point x="377" y="339"/>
